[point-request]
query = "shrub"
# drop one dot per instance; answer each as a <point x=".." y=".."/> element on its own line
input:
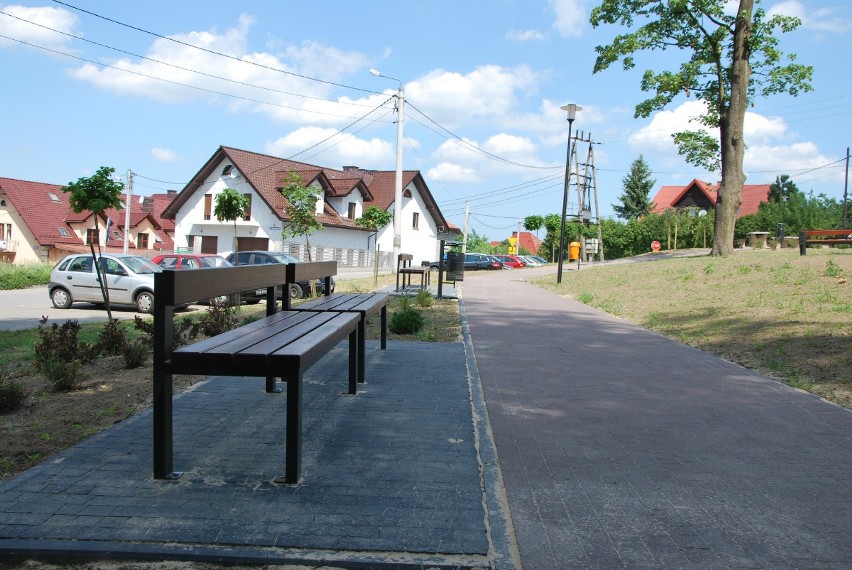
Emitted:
<point x="111" y="339"/>
<point x="12" y="393"/>
<point x="60" y="344"/>
<point x="406" y="320"/>
<point x="424" y="298"/>
<point x="64" y="375"/>
<point x="135" y="353"/>
<point x="219" y="318"/>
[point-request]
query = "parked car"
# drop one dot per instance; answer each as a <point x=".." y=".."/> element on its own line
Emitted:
<point x="130" y="279"/>
<point x="297" y="290"/>
<point x="540" y="259"/>
<point x="180" y="261"/>
<point x="472" y="262"/>
<point x="511" y="260"/>
<point x="530" y="260"/>
<point x="190" y="260"/>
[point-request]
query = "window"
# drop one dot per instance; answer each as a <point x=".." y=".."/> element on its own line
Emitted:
<point x="351" y="214"/>
<point x="53" y="197"/>
<point x="92" y="236"/>
<point x="247" y="211"/>
<point x="142" y="241"/>
<point x="228" y="170"/>
<point x="63" y="232"/>
<point x="415" y="221"/>
<point x="82" y="264"/>
<point x="208" y="206"/>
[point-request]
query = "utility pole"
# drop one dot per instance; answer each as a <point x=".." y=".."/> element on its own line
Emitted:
<point x="466" y="226"/>
<point x="845" y="192"/>
<point x="127" y="209"/>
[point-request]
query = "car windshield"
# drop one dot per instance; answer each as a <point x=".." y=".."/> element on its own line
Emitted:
<point x="214" y="261"/>
<point x="284" y="258"/>
<point x="140" y="265"/>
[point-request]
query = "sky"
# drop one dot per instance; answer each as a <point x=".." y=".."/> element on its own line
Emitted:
<point x="93" y="83"/>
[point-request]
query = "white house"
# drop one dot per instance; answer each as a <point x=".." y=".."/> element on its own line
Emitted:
<point x="345" y="195"/>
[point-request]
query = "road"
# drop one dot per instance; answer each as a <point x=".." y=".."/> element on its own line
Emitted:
<point x="23" y="308"/>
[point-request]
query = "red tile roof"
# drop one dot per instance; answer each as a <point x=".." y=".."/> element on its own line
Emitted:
<point x="671" y="196"/>
<point x="44" y="209"/>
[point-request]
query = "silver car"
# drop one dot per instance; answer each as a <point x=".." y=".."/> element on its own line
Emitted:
<point x="130" y="279"/>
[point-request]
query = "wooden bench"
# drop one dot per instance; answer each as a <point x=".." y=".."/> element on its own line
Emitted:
<point x="824" y="237"/>
<point x="364" y="305"/>
<point x="405" y="270"/>
<point x="282" y="344"/>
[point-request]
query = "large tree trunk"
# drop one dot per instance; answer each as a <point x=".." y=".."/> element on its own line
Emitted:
<point x="731" y="121"/>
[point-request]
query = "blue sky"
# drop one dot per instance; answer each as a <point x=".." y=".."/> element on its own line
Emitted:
<point x="493" y="73"/>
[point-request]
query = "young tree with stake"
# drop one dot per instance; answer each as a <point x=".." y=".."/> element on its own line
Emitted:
<point x="97" y="194"/>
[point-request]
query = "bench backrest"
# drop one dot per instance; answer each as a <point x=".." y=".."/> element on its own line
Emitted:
<point x="404" y="260"/>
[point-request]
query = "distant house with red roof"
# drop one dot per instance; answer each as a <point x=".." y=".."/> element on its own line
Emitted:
<point x="702" y="195"/>
<point x="343" y="197"/>
<point x="528" y="242"/>
<point x="37" y="224"/>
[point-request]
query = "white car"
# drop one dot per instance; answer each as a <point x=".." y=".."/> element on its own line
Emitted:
<point x="130" y="279"/>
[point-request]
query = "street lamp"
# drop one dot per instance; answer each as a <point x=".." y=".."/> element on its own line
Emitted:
<point x="397" y="196"/>
<point x="572" y="112"/>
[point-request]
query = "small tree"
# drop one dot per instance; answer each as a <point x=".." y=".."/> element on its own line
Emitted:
<point x="533" y="224"/>
<point x="300" y="209"/>
<point x="230" y="206"/>
<point x="374" y="219"/>
<point x="97" y="194"/>
<point x="635" y="201"/>
<point x="782" y="189"/>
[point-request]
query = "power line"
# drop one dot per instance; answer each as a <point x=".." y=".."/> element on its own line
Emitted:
<point x="119" y="50"/>
<point x="213" y="52"/>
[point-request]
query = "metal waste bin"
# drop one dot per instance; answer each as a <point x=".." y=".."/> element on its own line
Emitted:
<point x="574" y="250"/>
<point x="455" y="267"/>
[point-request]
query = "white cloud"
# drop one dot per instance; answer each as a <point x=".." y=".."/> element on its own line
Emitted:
<point x="525" y="35"/>
<point x="164" y="155"/>
<point x="570" y="17"/>
<point x="255" y="78"/>
<point x="449" y="172"/>
<point x="770" y="160"/>
<point x="819" y="19"/>
<point x="488" y="91"/>
<point x="657" y="135"/>
<point x="56" y="18"/>
<point x="338" y="150"/>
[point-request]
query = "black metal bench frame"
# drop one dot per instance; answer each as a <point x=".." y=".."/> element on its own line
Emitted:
<point x="823" y="237"/>
<point x="282" y="344"/>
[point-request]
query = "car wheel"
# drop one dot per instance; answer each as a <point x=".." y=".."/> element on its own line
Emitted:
<point x="296" y="291"/>
<point x="145" y="302"/>
<point x="61" y="298"/>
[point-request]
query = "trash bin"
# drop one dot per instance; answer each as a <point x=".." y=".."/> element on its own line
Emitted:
<point x="574" y="250"/>
<point x="455" y="267"/>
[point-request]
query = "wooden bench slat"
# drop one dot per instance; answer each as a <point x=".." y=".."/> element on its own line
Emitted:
<point x="316" y="343"/>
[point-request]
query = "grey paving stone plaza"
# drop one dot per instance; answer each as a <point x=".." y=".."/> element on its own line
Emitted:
<point x="553" y="436"/>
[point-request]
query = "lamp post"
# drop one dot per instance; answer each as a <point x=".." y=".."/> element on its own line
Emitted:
<point x="572" y="112"/>
<point x="397" y="196"/>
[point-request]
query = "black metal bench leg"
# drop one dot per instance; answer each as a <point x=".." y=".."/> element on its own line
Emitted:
<point x="293" y="446"/>
<point x="362" y="348"/>
<point x="355" y="347"/>
<point x="384" y="332"/>
<point x="271" y="387"/>
<point x="163" y="441"/>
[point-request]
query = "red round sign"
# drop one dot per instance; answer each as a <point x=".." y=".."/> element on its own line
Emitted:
<point x="655" y="245"/>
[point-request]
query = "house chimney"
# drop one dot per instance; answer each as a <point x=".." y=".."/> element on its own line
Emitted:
<point x="350" y="168"/>
<point x="147" y="204"/>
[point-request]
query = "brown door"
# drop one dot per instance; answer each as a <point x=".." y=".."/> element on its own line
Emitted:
<point x="251" y="244"/>
<point x="209" y="244"/>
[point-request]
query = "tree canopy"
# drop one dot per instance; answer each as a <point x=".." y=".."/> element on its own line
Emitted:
<point x="230" y="206"/>
<point x="730" y="59"/>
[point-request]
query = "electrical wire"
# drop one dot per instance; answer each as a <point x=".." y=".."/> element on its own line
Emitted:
<point x="213" y="52"/>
